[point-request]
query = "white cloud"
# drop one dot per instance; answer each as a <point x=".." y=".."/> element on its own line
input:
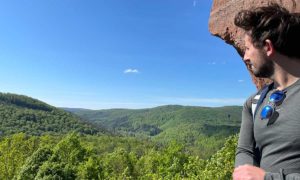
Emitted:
<point x="217" y="62"/>
<point x="194" y="3"/>
<point x="150" y="103"/>
<point x="158" y="101"/>
<point x="212" y="63"/>
<point x="210" y="102"/>
<point x="89" y="104"/>
<point x="241" y="81"/>
<point x="213" y="100"/>
<point x="134" y="71"/>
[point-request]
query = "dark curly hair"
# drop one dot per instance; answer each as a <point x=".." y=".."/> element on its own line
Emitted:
<point x="275" y="23"/>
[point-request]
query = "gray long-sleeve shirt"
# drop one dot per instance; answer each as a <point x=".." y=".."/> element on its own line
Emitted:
<point x="272" y="144"/>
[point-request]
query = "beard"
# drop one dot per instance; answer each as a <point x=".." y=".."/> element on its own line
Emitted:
<point x="266" y="70"/>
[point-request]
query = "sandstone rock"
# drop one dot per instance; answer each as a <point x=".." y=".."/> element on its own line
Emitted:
<point x="221" y="23"/>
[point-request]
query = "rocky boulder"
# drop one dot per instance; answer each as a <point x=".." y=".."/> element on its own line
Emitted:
<point x="222" y="17"/>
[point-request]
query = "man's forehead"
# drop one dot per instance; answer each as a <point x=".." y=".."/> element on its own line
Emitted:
<point x="247" y="37"/>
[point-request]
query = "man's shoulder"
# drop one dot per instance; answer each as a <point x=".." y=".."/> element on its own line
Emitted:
<point x="251" y="97"/>
<point x="255" y="97"/>
<point x="266" y="88"/>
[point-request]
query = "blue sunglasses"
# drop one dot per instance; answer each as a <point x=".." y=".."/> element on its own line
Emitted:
<point x="275" y="99"/>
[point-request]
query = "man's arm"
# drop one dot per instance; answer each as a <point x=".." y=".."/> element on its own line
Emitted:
<point x="246" y="152"/>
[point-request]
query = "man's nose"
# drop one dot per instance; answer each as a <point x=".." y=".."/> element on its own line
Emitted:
<point x="245" y="57"/>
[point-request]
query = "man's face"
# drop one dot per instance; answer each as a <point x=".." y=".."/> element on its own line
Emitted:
<point x="257" y="60"/>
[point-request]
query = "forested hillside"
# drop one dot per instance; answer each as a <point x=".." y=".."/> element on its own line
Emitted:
<point x="165" y="119"/>
<point x="20" y="113"/>
<point x="168" y="142"/>
<point x="201" y="129"/>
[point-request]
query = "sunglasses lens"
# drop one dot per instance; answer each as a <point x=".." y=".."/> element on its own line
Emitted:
<point x="277" y="96"/>
<point x="267" y="112"/>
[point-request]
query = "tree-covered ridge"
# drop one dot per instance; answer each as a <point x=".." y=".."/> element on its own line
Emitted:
<point x="20" y="113"/>
<point x="24" y="101"/>
<point x="153" y="121"/>
<point x="201" y="129"/>
<point x="106" y="157"/>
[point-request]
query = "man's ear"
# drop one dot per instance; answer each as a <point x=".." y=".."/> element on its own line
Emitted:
<point x="269" y="48"/>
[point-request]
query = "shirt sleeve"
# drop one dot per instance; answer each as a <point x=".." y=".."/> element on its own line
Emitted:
<point x="273" y="176"/>
<point x="281" y="176"/>
<point x="246" y="152"/>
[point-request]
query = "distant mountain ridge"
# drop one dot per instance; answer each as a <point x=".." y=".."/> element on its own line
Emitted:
<point x="202" y="130"/>
<point x="183" y="123"/>
<point x="19" y="113"/>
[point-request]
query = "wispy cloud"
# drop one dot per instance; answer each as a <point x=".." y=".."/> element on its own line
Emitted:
<point x="89" y="104"/>
<point x="133" y="71"/>
<point x="241" y="81"/>
<point x="194" y="3"/>
<point x="213" y="102"/>
<point x="212" y="63"/>
<point x="217" y="62"/>
<point x="150" y="103"/>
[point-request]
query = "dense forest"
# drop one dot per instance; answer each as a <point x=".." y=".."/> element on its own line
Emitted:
<point x="39" y="141"/>
<point x="105" y="157"/>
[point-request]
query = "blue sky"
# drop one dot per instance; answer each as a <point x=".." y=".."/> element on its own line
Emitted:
<point x="102" y="54"/>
